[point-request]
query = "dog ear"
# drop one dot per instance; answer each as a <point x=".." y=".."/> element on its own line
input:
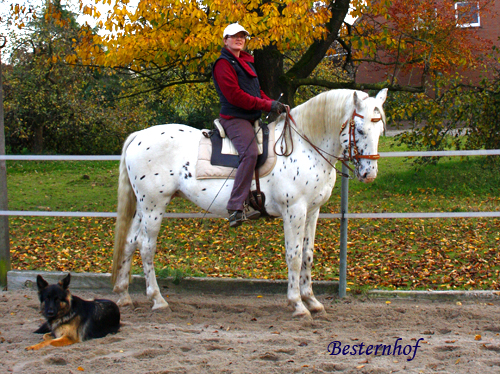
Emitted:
<point x="41" y="283"/>
<point x="64" y="283"/>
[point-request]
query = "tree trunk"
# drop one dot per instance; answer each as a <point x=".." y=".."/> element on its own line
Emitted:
<point x="38" y="140"/>
<point x="269" y="61"/>
<point x="269" y="66"/>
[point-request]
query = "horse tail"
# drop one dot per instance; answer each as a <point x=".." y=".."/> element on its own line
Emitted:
<point x="125" y="211"/>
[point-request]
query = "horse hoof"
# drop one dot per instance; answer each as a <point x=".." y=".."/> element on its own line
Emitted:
<point x="160" y="305"/>
<point x="318" y="310"/>
<point x="302" y="314"/>
<point x="320" y="313"/>
<point x="124" y="301"/>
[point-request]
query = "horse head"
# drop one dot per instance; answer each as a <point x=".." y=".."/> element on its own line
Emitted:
<point x="361" y="134"/>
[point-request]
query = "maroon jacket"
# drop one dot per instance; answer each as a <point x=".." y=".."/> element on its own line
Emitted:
<point x="227" y="80"/>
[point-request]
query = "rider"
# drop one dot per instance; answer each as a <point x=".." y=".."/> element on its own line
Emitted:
<point x="242" y="102"/>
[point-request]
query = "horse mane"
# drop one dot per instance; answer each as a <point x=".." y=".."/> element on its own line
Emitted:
<point x="325" y="112"/>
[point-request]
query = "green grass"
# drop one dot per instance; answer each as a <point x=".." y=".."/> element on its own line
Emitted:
<point x="402" y="253"/>
<point x="62" y="185"/>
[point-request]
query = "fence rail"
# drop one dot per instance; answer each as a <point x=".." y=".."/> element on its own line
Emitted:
<point x="482" y="152"/>
<point x="40" y="213"/>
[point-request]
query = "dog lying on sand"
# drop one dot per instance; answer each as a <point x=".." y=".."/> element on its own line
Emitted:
<point x="71" y="319"/>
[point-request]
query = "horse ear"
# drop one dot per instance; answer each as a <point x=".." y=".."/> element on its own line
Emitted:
<point x="356" y="100"/>
<point x="382" y="95"/>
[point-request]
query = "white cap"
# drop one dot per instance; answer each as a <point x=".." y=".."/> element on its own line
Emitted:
<point x="233" y="29"/>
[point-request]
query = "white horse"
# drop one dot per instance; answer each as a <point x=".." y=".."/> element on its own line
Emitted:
<point x="160" y="161"/>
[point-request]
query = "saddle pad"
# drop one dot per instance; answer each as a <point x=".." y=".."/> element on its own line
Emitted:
<point x="205" y="170"/>
<point x="220" y="158"/>
<point x="228" y="147"/>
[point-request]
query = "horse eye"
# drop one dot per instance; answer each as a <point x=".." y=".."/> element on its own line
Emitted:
<point x="360" y="131"/>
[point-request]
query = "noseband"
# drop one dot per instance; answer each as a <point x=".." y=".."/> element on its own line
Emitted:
<point x="354" y="154"/>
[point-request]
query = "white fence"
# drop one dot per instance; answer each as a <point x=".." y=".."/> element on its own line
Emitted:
<point x="343" y="216"/>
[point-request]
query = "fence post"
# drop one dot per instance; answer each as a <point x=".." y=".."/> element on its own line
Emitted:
<point x="4" y="220"/>
<point x="344" y="197"/>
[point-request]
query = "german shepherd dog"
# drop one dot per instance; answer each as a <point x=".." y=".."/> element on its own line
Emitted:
<point x="71" y="319"/>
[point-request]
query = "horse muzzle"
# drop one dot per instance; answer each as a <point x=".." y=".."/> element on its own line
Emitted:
<point x="366" y="171"/>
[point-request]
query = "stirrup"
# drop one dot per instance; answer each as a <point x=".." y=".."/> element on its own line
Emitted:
<point x="250" y="213"/>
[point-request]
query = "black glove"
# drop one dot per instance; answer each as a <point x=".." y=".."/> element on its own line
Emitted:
<point x="278" y="107"/>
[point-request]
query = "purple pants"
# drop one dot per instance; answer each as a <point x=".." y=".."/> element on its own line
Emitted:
<point x="242" y="134"/>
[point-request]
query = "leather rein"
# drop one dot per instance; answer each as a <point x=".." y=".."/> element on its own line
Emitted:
<point x="353" y="156"/>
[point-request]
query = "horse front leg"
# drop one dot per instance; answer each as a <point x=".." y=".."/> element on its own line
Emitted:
<point x="294" y="226"/>
<point x="306" y="291"/>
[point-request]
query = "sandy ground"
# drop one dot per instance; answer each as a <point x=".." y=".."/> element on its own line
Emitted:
<point x="220" y="334"/>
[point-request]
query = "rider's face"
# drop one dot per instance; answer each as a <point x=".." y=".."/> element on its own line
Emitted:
<point x="236" y="43"/>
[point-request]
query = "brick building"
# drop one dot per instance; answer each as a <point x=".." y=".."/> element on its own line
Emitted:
<point x="486" y="24"/>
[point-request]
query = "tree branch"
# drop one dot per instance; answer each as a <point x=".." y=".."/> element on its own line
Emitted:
<point x="316" y="52"/>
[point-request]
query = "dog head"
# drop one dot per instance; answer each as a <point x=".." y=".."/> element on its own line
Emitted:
<point x="55" y="299"/>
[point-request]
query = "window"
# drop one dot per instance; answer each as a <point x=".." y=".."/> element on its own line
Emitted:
<point x="467" y="14"/>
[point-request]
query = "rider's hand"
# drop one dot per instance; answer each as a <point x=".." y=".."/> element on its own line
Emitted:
<point x="278" y="107"/>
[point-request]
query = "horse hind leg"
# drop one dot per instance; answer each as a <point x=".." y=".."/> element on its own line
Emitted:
<point x="306" y="292"/>
<point x="150" y="229"/>
<point x="123" y="277"/>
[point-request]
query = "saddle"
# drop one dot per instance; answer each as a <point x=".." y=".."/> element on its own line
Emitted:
<point x="224" y="152"/>
<point x="218" y="158"/>
<point x="217" y="161"/>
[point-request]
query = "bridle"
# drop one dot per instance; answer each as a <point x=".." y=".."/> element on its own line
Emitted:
<point x="353" y="156"/>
